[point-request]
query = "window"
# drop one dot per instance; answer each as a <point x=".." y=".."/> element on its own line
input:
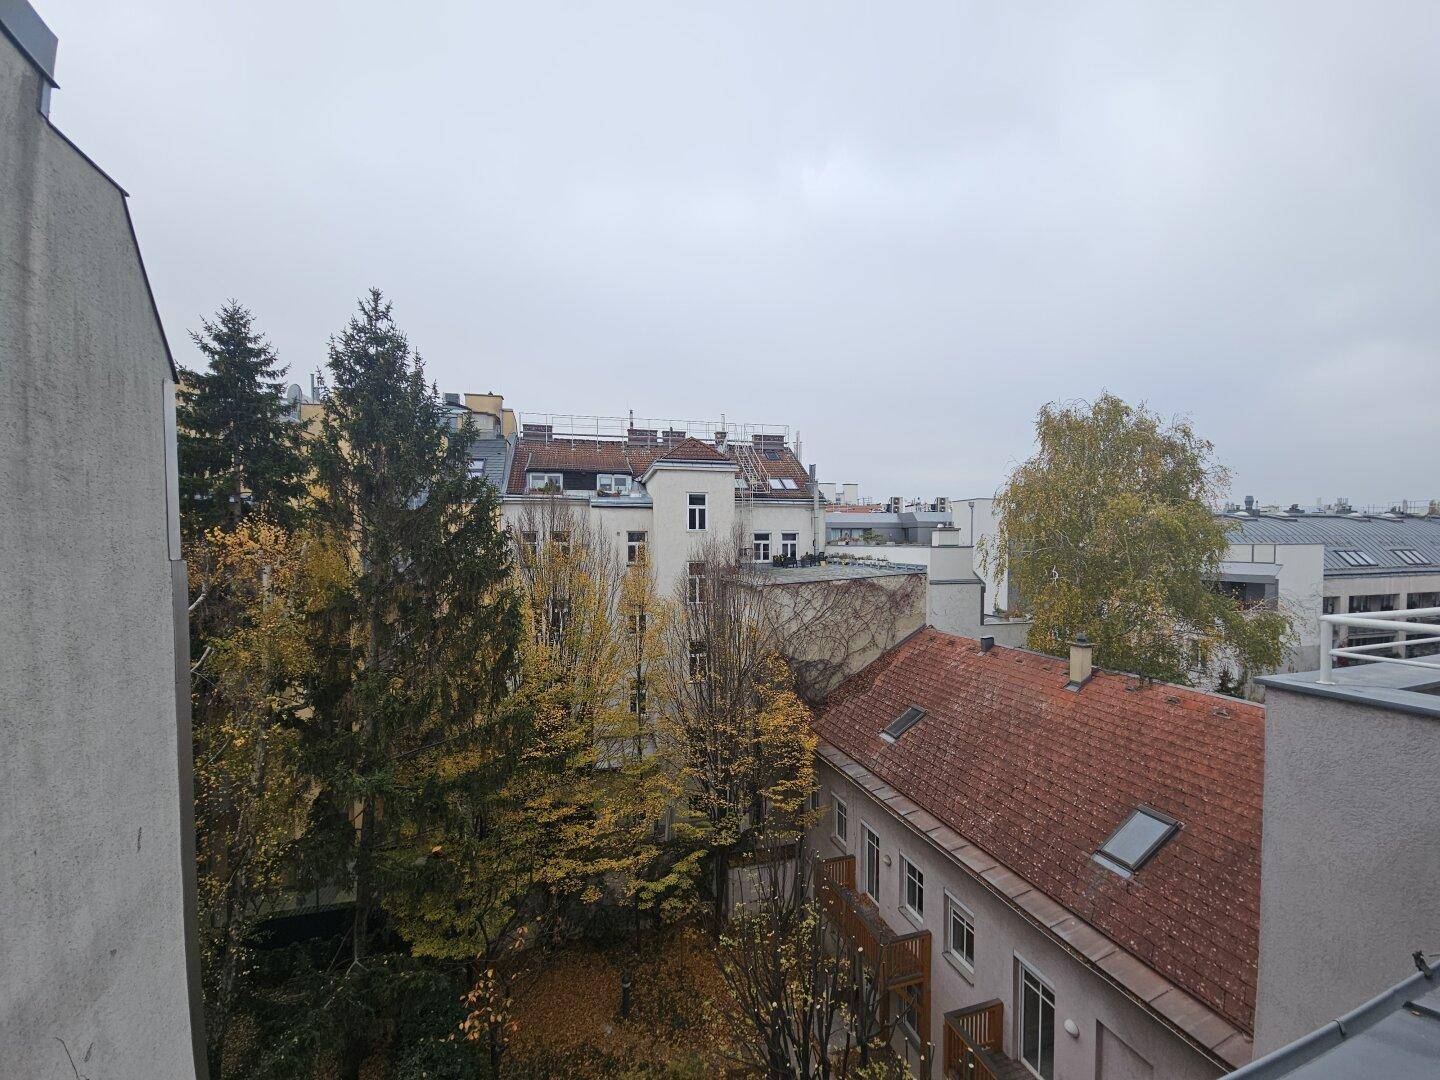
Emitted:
<point x="544" y="481"/>
<point x="908" y="998"/>
<point x="1327" y="605"/>
<point x="561" y="539"/>
<point x="815" y="801"/>
<point x="1422" y="600"/>
<point x="1037" y="1024"/>
<point x="612" y="483"/>
<point x="959" y="932"/>
<point x="1138" y="838"/>
<point x="1372" y="602"/>
<point x="637" y="697"/>
<point x="783" y="484"/>
<point x="760" y="550"/>
<point x="789" y="544"/>
<point x="776" y="485"/>
<point x="530" y="540"/>
<point x="634" y="545"/>
<point x="902" y="723"/>
<point x="842" y="822"/>
<point x="912" y="880"/>
<point x="697" y="660"/>
<point x="1356" y="558"/>
<point x="872" y="863"/>
<point x="1411" y="556"/>
<point x="695" y="583"/>
<point x="695" y="522"/>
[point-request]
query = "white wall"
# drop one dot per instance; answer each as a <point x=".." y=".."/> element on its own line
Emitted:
<point x="1001" y="938"/>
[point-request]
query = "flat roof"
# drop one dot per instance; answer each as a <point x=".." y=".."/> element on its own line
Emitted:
<point x="829" y="571"/>
<point x="1378" y="685"/>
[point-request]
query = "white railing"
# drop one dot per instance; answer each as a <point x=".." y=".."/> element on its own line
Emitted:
<point x="1421" y="621"/>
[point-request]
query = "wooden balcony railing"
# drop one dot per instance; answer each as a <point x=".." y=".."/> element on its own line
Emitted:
<point x="973" y="1041"/>
<point x="903" y="960"/>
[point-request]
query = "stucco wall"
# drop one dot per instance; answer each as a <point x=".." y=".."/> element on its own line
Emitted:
<point x="1349" y="860"/>
<point x="92" y="838"/>
<point x="1002" y="940"/>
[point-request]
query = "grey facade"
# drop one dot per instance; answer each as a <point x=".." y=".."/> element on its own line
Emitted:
<point x="1350" y="856"/>
<point x="96" y="841"/>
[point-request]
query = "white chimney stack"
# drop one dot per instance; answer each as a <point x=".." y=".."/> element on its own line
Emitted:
<point x="1082" y="662"/>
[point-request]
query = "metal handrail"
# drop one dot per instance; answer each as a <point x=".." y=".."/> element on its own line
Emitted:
<point x="1402" y="621"/>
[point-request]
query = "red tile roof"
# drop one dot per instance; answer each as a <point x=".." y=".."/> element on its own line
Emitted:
<point x="1039" y="777"/>
<point x="560" y="453"/>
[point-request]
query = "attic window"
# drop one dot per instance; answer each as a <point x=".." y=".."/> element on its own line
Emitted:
<point x="1411" y="556"/>
<point x="777" y="485"/>
<point x="1131" y="845"/>
<point x="1356" y="558"/>
<point x="788" y="484"/>
<point x="902" y="723"/>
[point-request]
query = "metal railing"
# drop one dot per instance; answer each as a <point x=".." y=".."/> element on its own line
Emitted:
<point x="1424" y="622"/>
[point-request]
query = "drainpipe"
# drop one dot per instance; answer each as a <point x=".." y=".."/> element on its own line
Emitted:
<point x="815" y="540"/>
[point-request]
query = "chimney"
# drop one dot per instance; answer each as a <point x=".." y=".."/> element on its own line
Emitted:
<point x="720" y="439"/>
<point x="1082" y="663"/>
<point x="1249" y="504"/>
<point x="987" y="642"/>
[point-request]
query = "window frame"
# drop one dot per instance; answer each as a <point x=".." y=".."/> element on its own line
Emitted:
<point x="545" y="480"/>
<point x="1112" y="861"/>
<point x="953" y="907"/>
<point x="841" y="815"/>
<point x="1043" y="988"/>
<point x="760" y="548"/>
<point x="872" y="864"/>
<point x="908" y="869"/>
<point x="697" y="516"/>
<point x="790" y="545"/>
<point x="695" y="584"/>
<point x="633" y="547"/>
<point x="615" y="487"/>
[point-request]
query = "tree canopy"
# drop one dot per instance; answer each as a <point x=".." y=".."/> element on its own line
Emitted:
<point x="1107" y="531"/>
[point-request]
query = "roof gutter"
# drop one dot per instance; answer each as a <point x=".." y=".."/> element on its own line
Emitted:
<point x="1307" y="1048"/>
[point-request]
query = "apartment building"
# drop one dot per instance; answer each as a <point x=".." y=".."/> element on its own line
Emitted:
<point x="97" y="862"/>
<point x="1060" y="867"/>
<point x="665" y="487"/>
<point x="1325" y="564"/>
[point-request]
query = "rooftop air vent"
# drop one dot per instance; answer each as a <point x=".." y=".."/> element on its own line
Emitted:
<point x="1134" y="842"/>
<point x="902" y="723"/>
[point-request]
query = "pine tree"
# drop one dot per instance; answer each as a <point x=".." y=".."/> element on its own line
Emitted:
<point x="238" y="449"/>
<point x="417" y="645"/>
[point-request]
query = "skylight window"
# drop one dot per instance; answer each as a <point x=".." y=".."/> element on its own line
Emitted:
<point x="902" y="723"/>
<point x="1411" y="556"/>
<point x="788" y="484"/>
<point x="1356" y="558"/>
<point x="777" y="485"/>
<point x="1132" y="845"/>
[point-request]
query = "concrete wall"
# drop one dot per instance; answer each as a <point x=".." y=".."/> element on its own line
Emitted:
<point x="1299" y="576"/>
<point x="1003" y="939"/>
<point x="95" y="847"/>
<point x="1350" y="859"/>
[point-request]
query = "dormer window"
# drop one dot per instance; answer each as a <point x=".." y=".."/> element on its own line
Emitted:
<point x="902" y="723"/>
<point x="1134" y="842"/>
<point x="544" y="481"/>
<point x="612" y="484"/>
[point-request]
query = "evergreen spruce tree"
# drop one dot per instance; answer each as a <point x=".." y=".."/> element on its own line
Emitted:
<point x="238" y="449"/>
<point x="418" y="642"/>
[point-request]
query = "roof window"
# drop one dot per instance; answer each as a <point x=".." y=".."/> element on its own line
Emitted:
<point x="1134" y="842"/>
<point x="902" y="723"/>
<point x="1356" y="558"/>
<point x="1411" y="556"/>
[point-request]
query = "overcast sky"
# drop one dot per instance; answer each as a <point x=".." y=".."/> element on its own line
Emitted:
<point x="898" y="227"/>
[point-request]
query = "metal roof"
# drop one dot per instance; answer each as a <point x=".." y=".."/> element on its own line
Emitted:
<point x="1395" y="1036"/>
<point x="1378" y="537"/>
<point x="493" y="458"/>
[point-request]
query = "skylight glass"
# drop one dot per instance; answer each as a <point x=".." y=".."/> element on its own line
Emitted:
<point x="1356" y="558"/>
<point x="1138" y="838"/>
<point x="777" y="485"/>
<point x="1411" y="556"/>
<point x="902" y="723"/>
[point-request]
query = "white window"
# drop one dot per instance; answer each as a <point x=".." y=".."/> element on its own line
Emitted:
<point x="695" y="583"/>
<point x="760" y="551"/>
<point x="788" y="484"/>
<point x="959" y="933"/>
<point x="612" y="484"/>
<point x="912" y="888"/>
<point x="872" y="862"/>
<point x="544" y="481"/>
<point x="842" y="822"/>
<point x="697" y="660"/>
<point x="1037" y="1024"/>
<point x="776" y="485"/>
<point x="696" y="522"/>
<point x="789" y="544"/>
<point x="815" y="801"/>
<point x="634" y="545"/>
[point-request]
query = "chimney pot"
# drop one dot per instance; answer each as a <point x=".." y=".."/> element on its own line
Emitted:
<point x="1082" y="662"/>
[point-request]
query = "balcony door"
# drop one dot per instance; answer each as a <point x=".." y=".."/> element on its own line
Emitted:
<point x="1036" y="1023"/>
<point x="872" y="863"/>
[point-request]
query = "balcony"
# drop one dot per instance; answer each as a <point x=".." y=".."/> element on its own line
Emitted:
<point x="973" y="1038"/>
<point x="903" y="959"/>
